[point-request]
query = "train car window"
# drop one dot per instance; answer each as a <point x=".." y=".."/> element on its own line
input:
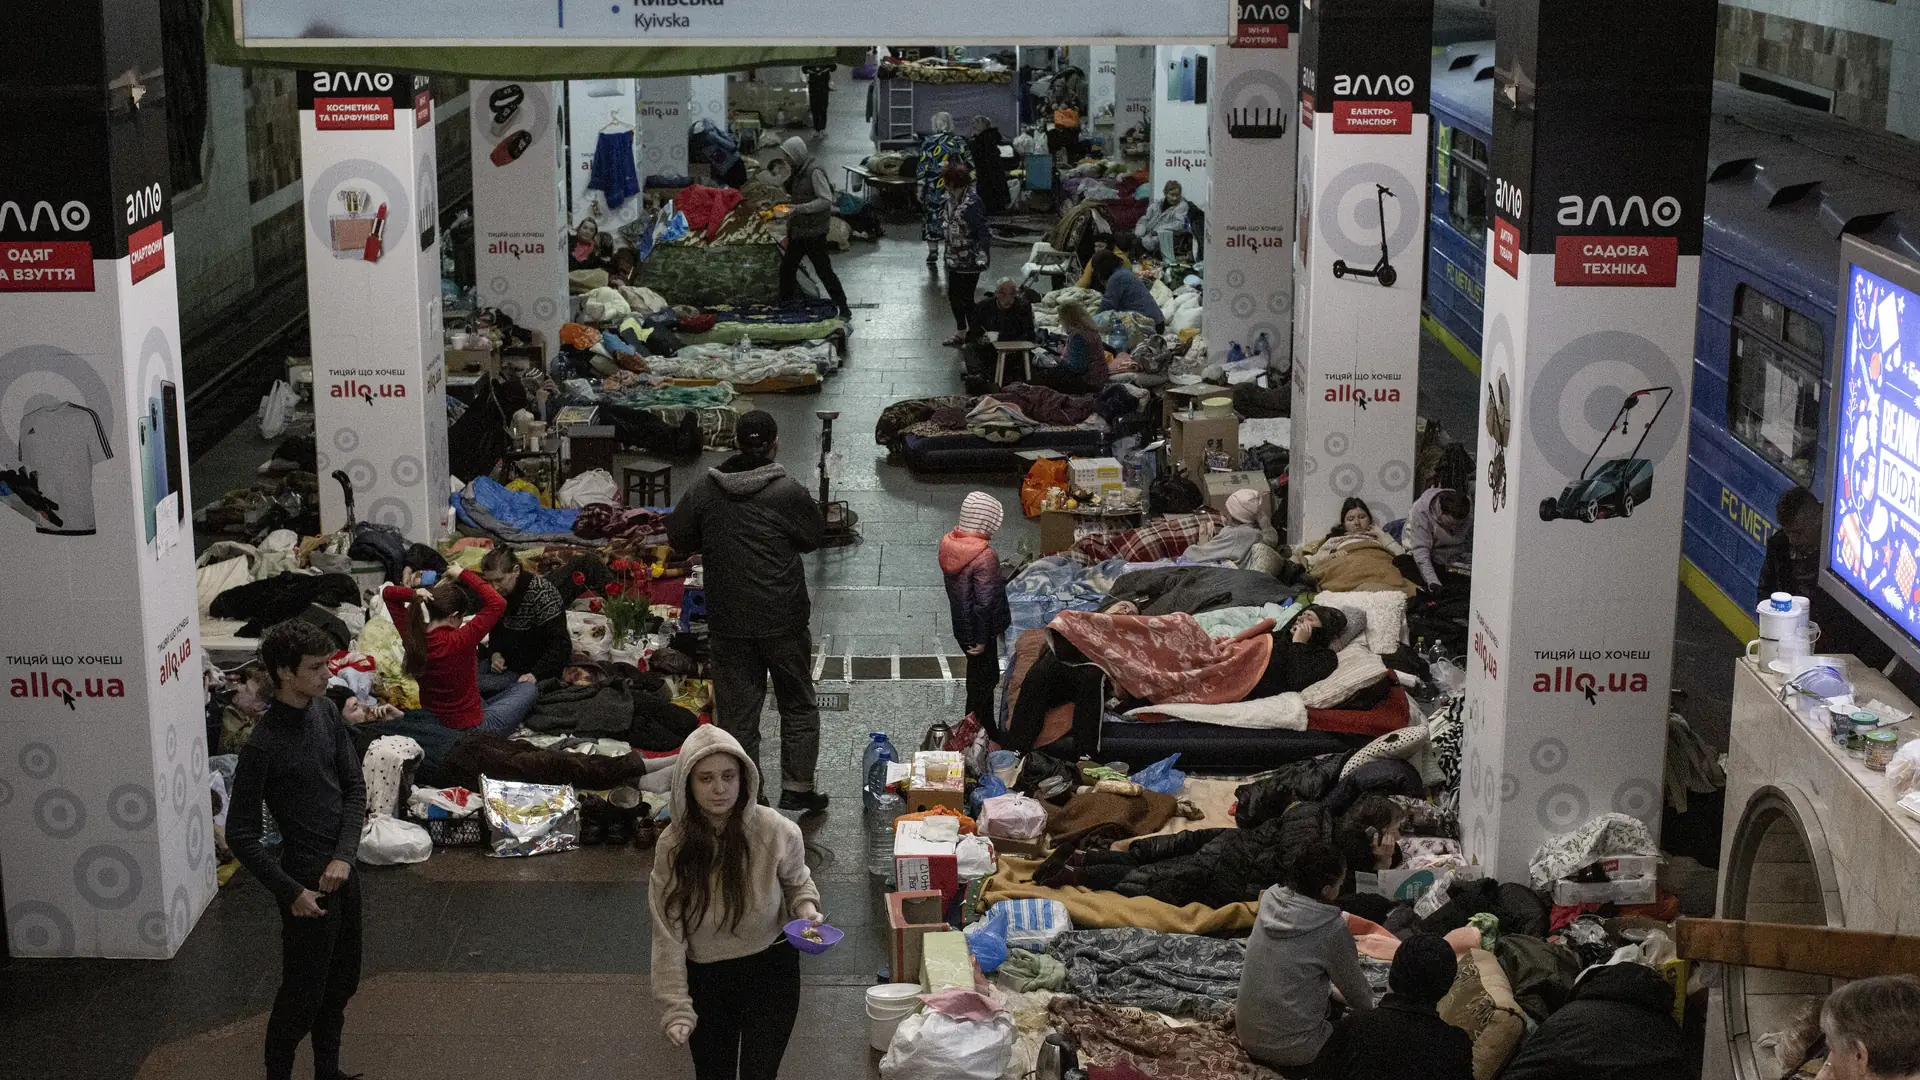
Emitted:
<point x="1442" y="147"/>
<point x="1467" y="182"/>
<point x="1773" y="384"/>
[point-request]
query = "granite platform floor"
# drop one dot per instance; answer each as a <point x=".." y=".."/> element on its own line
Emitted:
<point x="538" y="968"/>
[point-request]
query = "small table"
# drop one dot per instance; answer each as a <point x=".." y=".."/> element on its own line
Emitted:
<point x="1003" y="349"/>
<point x="644" y="481"/>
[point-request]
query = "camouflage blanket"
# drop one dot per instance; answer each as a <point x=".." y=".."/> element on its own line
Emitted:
<point x="1176" y="974"/>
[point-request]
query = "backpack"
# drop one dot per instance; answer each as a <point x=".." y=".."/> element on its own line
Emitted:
<point x="1173" y="492"/>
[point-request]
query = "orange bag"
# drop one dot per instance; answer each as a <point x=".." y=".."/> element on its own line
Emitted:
<point x="1046" y="473"/>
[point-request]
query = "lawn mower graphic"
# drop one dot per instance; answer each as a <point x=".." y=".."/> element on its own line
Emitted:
<point x="1382" y="271"/>
<point x="1619" y="484"/>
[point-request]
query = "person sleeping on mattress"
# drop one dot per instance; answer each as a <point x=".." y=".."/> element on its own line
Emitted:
<point x="1164" y="658"/>
<point x="1357" y="555"/>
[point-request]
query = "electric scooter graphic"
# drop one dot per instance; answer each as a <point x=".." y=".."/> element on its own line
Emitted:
<point x="1382" y="271"/>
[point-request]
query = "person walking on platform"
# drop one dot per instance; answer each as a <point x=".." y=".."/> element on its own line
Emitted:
<point x="751" y="522"/>
<point x="812" y="211"/>
<point x="300" y="764"/>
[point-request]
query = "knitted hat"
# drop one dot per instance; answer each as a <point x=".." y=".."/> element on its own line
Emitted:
<point x="981" y="513"/>
<point x="1423" y="968"/>
<point x="795" y="148"/>
<point x="1243" y="506"/>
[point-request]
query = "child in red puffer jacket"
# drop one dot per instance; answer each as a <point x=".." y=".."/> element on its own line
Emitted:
<point x="977" y="594"/>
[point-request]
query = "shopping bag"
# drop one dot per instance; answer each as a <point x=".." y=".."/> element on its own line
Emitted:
<point x="1045" y="473"/>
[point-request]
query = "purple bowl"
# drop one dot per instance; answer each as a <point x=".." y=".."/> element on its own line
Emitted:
<point x="829" y="936"/>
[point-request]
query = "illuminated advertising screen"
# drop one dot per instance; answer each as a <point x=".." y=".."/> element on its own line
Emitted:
<point x="1873" y="523"/>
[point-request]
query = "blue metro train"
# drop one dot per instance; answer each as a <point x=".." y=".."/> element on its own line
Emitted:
<point x="1783" y="184"/>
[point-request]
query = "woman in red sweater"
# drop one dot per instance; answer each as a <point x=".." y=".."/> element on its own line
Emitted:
<point x="440" y="652"/>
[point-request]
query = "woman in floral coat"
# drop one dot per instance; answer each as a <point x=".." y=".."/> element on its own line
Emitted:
<point x="935" y="152"/>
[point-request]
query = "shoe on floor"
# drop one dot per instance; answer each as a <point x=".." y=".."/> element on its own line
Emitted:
<point x="807" y="802"/>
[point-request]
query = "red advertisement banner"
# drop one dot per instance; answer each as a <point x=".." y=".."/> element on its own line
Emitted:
<point x="146" y="252"/>
<point x="1373" y="117"/>
<point x="353" y="114"/>
<point x="1260" y="36"/>
<point x="1306" y="110"/>
<point x="1506" y="246"/>
<point x="46" y="266"/>
<point x="1619" y="261"/>
<point x="422" y="108"/>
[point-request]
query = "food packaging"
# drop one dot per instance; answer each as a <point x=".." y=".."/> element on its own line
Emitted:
<point x="530" y="819"/>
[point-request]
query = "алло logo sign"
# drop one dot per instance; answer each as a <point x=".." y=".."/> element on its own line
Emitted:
<point x="1609" y="259"/>
<point x="1373" y="104"/>
<point x="36" y="265"/>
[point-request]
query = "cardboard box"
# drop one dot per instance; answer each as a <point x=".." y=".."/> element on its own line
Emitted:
<point x="1218" y="486"/>
<point x="1624" y="867"/>
<point x="1624" y="891"/>
<point x="1094" y="474"/>
<point x="1188" y="437"/>
<point x="1035" y="847"/>
<point x="921" y="865"/>
<point x="1408" y="885"/>
<point x="911" y="916"/>
<point x="461" y="361"/>
<point x="1056" y="530"/>
<point x="945" y="962"/>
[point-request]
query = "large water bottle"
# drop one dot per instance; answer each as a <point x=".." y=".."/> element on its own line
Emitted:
<point x="873" y="767"/>
<point x="881" y="815"/>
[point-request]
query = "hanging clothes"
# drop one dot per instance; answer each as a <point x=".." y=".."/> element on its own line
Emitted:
<point x="613" y="173"/>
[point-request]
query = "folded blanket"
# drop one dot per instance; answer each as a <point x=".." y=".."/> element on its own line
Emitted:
<point x="1094" y="908"/>
<point x="1168" y="658"/>
<point x="1358" y="564"/>
<point x="1282" y="712"/>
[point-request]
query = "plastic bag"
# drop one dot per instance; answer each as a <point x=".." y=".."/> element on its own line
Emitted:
<point x="454" y="802"/>
<point x="974" y="858"/>
<point x="1162" y="777"/>
<point x="1903" y="772"/>
<point x="592" y="486"/>
<point x="530" y="819"/>
<point x="1014" y="817"/>
<point x="935" y="1046"/>
<point x="987" y="941"/>
<point x="592" y="635"/>
<point x="388" y="841"/>
<point x="1045" y="473"/>
<point x="1031" y="923"/>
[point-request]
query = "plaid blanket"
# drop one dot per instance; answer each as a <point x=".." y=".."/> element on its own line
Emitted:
<point x="1164" y="537"/>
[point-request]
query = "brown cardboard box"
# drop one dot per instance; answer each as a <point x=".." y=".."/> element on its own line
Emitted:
<point x="1056" y="530"/>
<point x="1187" y="439"/>
<point x="920" y="800"/>
<point x="1031" y="848"/>
<point x="462" y="361"/>
<point x="1219" y="485"/>
<point x="911" y="916"/>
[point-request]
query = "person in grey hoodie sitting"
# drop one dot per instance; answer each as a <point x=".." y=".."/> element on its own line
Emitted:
<point x="812" y="211"/>
<point x="1300" y="948"/>
<point x="751" y="523"/>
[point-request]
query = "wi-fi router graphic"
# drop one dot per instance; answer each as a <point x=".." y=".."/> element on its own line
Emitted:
<point x="1257" y="123"/>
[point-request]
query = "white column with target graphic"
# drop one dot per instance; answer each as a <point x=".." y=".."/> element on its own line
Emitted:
<point x="369" y="182"/>
<point x="1360" y="238"/>
<point x="106" y="817"/>
<point x="519" y="256"/>
<point x="1599" y="163"/>
<point x="663" y="106"/>
<point x="1250" y="224"/>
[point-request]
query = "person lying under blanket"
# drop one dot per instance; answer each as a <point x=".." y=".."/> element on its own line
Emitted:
<point x="1164" y="659"/>
<point x="1357" y="555"/>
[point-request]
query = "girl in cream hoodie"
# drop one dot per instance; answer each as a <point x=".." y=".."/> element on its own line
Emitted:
<point x="728" y="874"/>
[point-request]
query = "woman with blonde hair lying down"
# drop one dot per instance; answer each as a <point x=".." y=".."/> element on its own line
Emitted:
<point x="1356" y="555"/>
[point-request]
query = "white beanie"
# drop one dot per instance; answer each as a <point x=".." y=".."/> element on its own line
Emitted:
<point x="1243" y="506"/>
<point x="981" y="513"/>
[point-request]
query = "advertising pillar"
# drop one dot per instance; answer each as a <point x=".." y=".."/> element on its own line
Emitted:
<point x="1133" y="80"/>
<point x="373" y="297"/>
<point x="1600" y="127"/>
<point x="1249" y="265"/>
<point x="604" y="152"/>
<point x="106" y="824"/>
<point x="1102" y="63"/>
<point x="1183" y="84"/>
<point x="520" y="261"/>
<point x="663" y="125"/>
<point x="707" y="100"/>
<point x="1360" y="242"/>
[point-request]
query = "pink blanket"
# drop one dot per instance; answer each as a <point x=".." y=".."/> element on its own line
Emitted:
<point x="1169" y="658"/>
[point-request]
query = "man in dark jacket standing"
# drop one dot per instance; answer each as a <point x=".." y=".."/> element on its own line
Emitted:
<point x="751" y="523"/>
<point x="812" y="211"/>
<point x="301" y="764"/>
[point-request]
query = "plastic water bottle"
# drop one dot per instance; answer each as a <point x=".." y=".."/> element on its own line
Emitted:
<point x="873" y="767"/>
<point x="881" y="815"/>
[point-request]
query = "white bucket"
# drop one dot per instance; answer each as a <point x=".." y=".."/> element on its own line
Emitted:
<point x="887" y="1005"/>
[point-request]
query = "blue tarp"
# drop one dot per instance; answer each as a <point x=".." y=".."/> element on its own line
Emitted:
<point x="518" y="510"/>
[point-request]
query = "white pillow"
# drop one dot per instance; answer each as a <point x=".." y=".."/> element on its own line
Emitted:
<point x="1385" y="614"/>
<point x="1402" y="744"/>
<point x="1358" y="670"/>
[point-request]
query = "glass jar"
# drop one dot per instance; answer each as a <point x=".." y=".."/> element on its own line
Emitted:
<point x="1879" y="749"/>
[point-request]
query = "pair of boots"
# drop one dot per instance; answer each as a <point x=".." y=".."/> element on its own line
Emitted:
<point x="614" y="821"/>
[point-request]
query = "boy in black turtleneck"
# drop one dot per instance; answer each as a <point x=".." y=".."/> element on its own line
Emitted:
<point x="300" y="763"/>
<point x="1404" y="1038"/>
